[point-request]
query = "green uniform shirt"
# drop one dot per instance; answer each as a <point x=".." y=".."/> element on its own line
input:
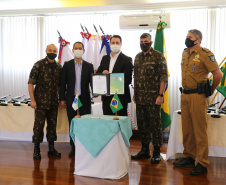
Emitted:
<point x="46" y="78"/>
<point x="149" y="71"/>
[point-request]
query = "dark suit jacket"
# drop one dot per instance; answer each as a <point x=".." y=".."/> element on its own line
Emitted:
<point x="67" y="83"/>
<point x="124" y="65"/>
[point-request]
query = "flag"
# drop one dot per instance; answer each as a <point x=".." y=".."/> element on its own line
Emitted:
<point x="161" y="47"/>
<point x="105" y="46"/>
<point x="65" y="53"/>
<point x="222" y="86"/>
<point x="90" y="49"/>
<point x="96" y="56"/>
<point x="84" y="41"/>
<point x="76" y="103"/>
<point x="115" y="104"/>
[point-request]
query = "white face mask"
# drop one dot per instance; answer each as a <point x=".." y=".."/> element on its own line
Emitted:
<point x="115" y="48"/>
<point x="78" y="53"/>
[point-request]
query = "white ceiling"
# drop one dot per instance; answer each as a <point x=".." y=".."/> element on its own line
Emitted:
<point x="51" y="7"/>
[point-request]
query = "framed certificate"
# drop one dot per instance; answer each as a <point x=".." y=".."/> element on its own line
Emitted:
<point x="100" y="84"/>
<point x="117" y="83"/>
<point x="108" y="84"/>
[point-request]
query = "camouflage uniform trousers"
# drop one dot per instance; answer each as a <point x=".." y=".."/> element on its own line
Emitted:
<point x="149" y="123"/>
<point x="51" y="116"/>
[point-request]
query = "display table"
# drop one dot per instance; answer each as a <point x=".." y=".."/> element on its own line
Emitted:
<point x="216" y="130"/>
<point x="16" y="122"/>
<point x="101" y="146"/>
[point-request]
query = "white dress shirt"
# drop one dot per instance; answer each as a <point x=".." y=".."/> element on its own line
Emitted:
<point x="112" y="61"/>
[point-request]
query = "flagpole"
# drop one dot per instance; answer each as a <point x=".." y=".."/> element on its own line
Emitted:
<point x="222" y="103"/>
<point x="115" y="118"/>
<point x="78" y="115"/>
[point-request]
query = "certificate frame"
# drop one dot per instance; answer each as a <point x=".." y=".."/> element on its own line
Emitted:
<point x="100" y="84"/>
<point x="117" y="83"/>
<point x="108" y="84"/>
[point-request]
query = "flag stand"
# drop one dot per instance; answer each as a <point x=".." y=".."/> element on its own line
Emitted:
<point x="116" y="118"/>
<point x="78" y="115"/>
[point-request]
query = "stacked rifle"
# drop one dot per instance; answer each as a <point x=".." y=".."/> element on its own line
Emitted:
<point x="217" y="112"/>
<point x="16" y="101"/>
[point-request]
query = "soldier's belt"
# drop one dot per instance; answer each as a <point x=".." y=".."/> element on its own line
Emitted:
<point x="191" y="91"/>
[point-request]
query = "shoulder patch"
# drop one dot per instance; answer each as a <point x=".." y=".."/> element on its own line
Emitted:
<point x="212" y="57"/>
<point x="206" y="50"/>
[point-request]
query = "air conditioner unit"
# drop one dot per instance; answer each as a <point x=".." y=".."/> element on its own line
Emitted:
<point x="143" y="21"/>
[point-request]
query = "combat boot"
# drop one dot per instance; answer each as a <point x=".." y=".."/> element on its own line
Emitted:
<point x="198" y="170"/>
<point x="52" y="151"/>
<point x="143" y="154"/>
<point x="156" y="158"/>
<point x="36" y="154"/>
<point x="187" y="162"/>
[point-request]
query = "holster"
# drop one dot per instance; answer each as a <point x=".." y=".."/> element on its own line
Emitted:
<point x="208" y="89"/>
<point x="205" y="88"/>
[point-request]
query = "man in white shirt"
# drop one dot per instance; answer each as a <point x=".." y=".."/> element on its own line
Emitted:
<point x="117" y="62"/>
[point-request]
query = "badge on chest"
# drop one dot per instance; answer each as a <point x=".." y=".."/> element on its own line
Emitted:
<point x="193" y="68"/>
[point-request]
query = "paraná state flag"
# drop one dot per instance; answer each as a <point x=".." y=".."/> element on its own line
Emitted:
<point x="76" y="103"/>
<point x="115" y="104"/>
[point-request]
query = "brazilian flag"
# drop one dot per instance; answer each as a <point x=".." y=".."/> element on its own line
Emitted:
<point x="222" y="86"/>
<point x="160" y="46"/>
<point x="115" y="104"/>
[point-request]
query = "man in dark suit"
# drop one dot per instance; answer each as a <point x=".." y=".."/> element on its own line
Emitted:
<point x="76" y="78"/>
<point x="117" y="62"/>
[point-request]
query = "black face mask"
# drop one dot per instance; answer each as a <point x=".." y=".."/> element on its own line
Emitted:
<point x="190" y="43"/>
<point x="51" y="56"/>
<point x="145" y="46"/>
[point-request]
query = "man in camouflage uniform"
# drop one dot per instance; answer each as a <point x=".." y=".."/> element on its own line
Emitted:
<point x="45" y="75"/>
<point x="150" y="78"/>
<point x="196" y="64"/>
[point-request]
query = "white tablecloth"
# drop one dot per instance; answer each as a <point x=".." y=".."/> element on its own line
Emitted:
<point x="216" y="130"/>
<point x="101" y="146"/>
<point x="16" y="122"/>
<point x="111" y="163"/>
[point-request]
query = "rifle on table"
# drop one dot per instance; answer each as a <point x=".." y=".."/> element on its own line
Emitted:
<point x="4" y="101"/>
<point x="3" y="98"/>
<point x="26" y="100"/>
<point x="220" y="111"/>
<point x="212" y="107"/>
<point x="16" y="100"/>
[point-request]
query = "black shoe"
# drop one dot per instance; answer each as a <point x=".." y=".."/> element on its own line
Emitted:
<point x="198" y="170"/>
<point x="36" y="154"/>
<point x="185" y="162"/>
<point x="52" y="151"/>
<point x="71" y="153"/>
<point x="156" y="158"/>
<point x="143" y="154"/>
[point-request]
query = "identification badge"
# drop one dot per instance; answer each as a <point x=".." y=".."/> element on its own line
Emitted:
<point x="193" y="68"/>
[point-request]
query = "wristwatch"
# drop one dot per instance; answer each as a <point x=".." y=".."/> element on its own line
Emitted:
<point x="160" y="95"/>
